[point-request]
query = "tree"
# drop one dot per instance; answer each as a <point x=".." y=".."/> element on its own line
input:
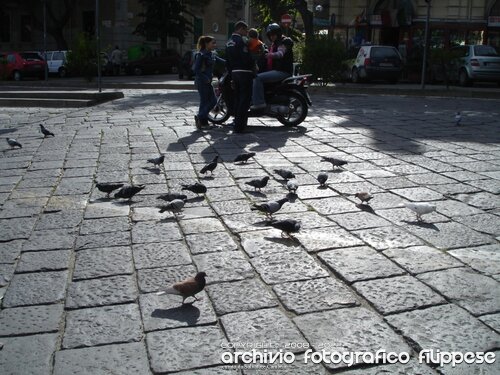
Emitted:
<point x="164" y="19"/>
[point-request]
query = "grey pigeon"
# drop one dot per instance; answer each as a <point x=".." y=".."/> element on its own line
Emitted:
<point x="169" y="197"/>
<point x="196" y="188"/>
<point x="458" y="118"/>
<point x="45" y="131"/>
<point x="269" y="208"/>
<point x="174" y="206"/>
<point x="334" y="161"/>
<point x="244" y="157"/>
<point x="364" y="196"/>
<point x="157" y="161"/>
<point x="258" y="183"/>
<point x="292" y="186"/>
<point x="284" y="173"/>
<point x="188" y="287"/>
<point x="13" y="143"/>
<point x="322" y="178"/>
<point x="108" y="187"/>
<point x="127" y="192"/>
<point x="286" y="226"/>
<point x="210" y="166"/>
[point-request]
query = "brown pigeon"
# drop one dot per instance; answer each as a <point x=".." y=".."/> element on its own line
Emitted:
<point x="187" y="288"/>
<point x="364" y="197"/>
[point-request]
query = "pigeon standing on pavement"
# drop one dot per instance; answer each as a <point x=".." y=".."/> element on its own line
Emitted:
<point x="169" y="197"/>
<point x="286" y="226"/>
<point x="174" y="206"/>
<point x="364" y="197"/>
<point x="187" y="288"/>
<point x="292" y="186"/>
<point x="269" y="208"/>
<point x="334" y="161"/>
<point x="127" y="192"/>
<point x="258" y="183"/>
<point x="285" y="174"/>
<point x="458" y="118"/>
<point x="157" y="161"/>
<point x="13" y="143"/>
<point x="108" y="187"/>
<point x="420" y="209"/>
<point x="210" y="166"/>
<point x="322" y="177"/>
<point x="45" y="131"/>
<point x="196" y="188"/>
<point x="243" y="158"/>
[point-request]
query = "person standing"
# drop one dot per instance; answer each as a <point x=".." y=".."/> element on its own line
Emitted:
<point x="279" y="64"/>
<point x="116" y="60"/>
<point x="203" y="68"/>
<point x="240" y="65"/>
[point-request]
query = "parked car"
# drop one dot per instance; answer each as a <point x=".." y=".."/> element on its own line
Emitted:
<point x="375" y="62"/>
<point x="18" y="65"/>
<point x="186" y="65"/>
<point x="155" y="62"/>
<point x="56" y="63"/>
<point x="477" y="63"/>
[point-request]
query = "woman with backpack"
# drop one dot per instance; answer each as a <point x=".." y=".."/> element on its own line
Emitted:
<point x="203" y="68"/>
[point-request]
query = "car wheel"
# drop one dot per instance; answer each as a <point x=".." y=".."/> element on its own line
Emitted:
<point x="17" y="75"/>
<point x="138" y="71"/>
<point x="355" y="76"/>
<point x="463" y="78"/>
<point x="62" y="72"/>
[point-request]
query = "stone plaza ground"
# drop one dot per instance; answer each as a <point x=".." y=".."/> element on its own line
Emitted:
<point x="79" y="273"/>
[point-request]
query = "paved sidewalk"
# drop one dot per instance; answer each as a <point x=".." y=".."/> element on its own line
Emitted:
<point x="78" y="272"/>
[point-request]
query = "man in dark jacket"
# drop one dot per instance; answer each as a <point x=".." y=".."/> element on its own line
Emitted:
<point x="240" y="65"/>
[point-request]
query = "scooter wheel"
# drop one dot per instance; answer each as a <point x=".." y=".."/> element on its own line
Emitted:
<point x="297" y="110"/>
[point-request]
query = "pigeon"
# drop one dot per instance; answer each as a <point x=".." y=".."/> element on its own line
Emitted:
<point x="269" y="208"/>
<point x="108" y="187"/>
<point x="13" y="143"/>
<point x="335" y="162"/>
<point x="292" y="186"/>
<point x="175" y="206"/>
<point x="169" y="197"/>
<point x="420" y="209"/>
<point x="196" y="188"/>
<point x="286" y="226"/>
<point x="244" y="157"/>
<point x="188" y="287"/>
<point x="364" y="196"/>
<point x="210" y="166"/>
<point x="258" y="183"/>
<point x="45" y="131"/>
<point x="157" y="161"/>
<point x="284" y="173"/>
<point x="458" y="118"/>
<point x="129" y="191"/>
<point x="322" y="177"/>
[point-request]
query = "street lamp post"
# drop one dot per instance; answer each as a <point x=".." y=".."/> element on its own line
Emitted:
<point x="426" y="45"/>
<point x="45" y="38"/>
<point x="98" y="45"/>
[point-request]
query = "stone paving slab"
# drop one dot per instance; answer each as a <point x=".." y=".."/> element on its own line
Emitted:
<point x="226" y="266"/>
<point x="484" y="259"/>
<point x="30" y="319"/>
<point x="160" y="254"/>
<point x="154" y="279"/>
<point x="419" y="259"/>
<point x="92" y="263"/>
<point x="44" y="261"/>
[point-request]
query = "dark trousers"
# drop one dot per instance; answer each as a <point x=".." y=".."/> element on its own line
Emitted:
<point x="242" y="97"/>
<point x="207" y="99"/>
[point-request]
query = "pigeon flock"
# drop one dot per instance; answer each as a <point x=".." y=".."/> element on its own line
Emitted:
<point x="175" y="202"/>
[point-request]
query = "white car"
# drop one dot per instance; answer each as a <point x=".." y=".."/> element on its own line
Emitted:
<point x="56" y="62"/>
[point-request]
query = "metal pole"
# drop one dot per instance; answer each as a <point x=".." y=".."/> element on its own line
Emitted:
<point x="98" y="45"/>
<point x="426" y="45"/>
<point x="247" y="11"/>
<point x="45" y="38"/>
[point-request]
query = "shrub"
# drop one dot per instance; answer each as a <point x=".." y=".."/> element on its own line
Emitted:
<point x="81" y="60"/>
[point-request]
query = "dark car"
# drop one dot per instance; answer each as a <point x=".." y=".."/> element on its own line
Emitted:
<point x="154" y="62"/>
<point x="18" y="65"/>
<point x="376" y="63"/>
<point x="186" y="65"/>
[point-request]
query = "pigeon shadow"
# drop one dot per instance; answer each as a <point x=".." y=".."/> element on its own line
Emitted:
<point x="210" y="177"/>
<point x="290" y="242"/>
<point x="155" y="170"/>
<point x="256" y="194"/>
<point x="322" y="187"/>
<point x="337" y="170"/>
<point x="168" y="219"/>
<point x="184" y="313"/>
<point x="125" y="202"/>
<point x="262" y="223"/>
<point x="292" y="197"/>
<point x="199" y="198"/>
<point x="102" y="199"/>
<point x="422" y="224"/>
<point x="365" y="208"/>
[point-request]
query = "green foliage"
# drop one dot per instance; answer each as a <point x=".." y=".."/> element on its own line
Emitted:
<point x="82" y="57"/>
<point x="322" y="58"/>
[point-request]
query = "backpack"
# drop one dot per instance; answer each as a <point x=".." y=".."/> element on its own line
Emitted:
<point x="196" y="56"/>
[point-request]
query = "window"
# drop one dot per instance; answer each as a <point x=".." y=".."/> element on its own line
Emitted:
<point x="4" y="27"/>
<point x="58" y="56"/>
<point x="26" y="28"/>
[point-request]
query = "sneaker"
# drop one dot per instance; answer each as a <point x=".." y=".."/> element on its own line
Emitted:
<point x="197" y="122"/>
<point x="258" y="107"/>
<point x="204" y="123"/>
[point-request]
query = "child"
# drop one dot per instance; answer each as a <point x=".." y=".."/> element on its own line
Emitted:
<point x="203" y="69"/>
<point x="256" y="47"/>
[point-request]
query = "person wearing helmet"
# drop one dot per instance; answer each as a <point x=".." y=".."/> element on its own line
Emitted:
<point x="279" y="64"/>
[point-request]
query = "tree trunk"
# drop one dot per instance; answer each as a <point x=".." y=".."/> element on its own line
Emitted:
<point x="307" y="18"/>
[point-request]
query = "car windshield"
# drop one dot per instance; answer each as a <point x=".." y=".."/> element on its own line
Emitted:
<point x="485" y="51"/>
<point x="30" y="56"/>
<point x="383" y="52"/>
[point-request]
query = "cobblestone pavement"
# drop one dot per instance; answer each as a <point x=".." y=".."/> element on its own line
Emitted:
<point x="79" y="272"/>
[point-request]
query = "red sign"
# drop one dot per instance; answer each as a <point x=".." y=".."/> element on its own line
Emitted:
<point x="286" y="19"/>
